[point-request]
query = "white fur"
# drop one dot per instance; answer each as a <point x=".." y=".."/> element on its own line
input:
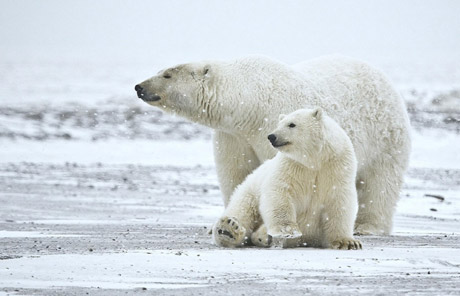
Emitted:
<point x="242" y="100"/>
<point x="306" y="194"/>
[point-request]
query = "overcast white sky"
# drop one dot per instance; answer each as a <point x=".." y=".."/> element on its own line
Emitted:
<point x="189" y="30"/>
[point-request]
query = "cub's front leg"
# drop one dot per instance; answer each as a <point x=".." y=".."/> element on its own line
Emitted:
<point x="239" y="219"/>
<point x="338" y="218"/>
<point x="229" y="232"/>
<point x="279" y="215"/>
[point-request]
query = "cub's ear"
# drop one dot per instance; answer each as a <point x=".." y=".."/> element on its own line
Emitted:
<point x="318" y="113"/>
<point x="281" y="117"/>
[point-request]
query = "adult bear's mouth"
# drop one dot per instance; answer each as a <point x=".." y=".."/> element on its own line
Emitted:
<point x="151" y="98"/>
<point x="277" y="145"/>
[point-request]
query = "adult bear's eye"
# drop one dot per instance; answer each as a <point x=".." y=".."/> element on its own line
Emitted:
<point x="167" y="76"/>
<point x="291" y="125"/>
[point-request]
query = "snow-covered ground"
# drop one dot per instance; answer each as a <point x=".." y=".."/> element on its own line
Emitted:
<point x="101" y="194"/>
<point x="108" y="229"/>
<point x="111" y="196"/>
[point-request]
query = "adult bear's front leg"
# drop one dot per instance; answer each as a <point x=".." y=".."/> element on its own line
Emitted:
<point x="235" y="159"/>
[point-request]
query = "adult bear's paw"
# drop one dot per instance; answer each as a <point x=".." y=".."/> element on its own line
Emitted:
<point x="346" y="244"/>
<point x="367" y="229"/>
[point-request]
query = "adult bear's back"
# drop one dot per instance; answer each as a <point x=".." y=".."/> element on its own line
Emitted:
<point x="357" y="95"/>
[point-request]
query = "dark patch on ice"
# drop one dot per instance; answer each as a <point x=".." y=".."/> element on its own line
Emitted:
<point x="78" y="122"/>
<point x="8" y="257"/>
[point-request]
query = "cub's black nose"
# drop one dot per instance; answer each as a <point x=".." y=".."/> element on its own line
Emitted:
<point x="272" y="138"/>
<point x="138" y="88"/>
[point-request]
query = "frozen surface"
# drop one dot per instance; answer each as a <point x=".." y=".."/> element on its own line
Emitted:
<point x="111" y="196"/>
<point x="197" y="269"/>
<point x="111" y="151"/>
<point x="108" y="229"/>
<point x="101" y="194"/>
<point x="127" y="213"/>
<point x="431" y="148"/>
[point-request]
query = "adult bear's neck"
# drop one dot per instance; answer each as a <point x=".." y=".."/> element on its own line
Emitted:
<point x="246" y="96"/>
<point x="232" y="104"/>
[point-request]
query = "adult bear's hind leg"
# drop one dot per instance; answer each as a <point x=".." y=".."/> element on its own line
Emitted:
<point x="378" y="192"/>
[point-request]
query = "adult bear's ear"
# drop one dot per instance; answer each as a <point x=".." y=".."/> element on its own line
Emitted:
<point x="281" y="117"/>
<point x="207" y="71"/>
<point x="318" y="113"/>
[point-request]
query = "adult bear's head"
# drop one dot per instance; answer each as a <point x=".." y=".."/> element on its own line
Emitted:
<point x="185" y="90"/>
<point x="222" y="95"/>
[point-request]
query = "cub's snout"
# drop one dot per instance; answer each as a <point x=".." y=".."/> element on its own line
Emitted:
<point x="277" y="142"/>
<point x="272" y="138"/>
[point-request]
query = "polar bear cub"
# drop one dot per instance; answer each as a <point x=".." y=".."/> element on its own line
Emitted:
<point x="305" y="195"/>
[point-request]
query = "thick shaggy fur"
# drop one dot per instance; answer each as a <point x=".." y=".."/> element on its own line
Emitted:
<point x="305" y="195"/>
<point x="242" y="99"/>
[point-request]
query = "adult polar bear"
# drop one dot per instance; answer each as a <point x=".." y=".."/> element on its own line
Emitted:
<point x="242" y="99"/>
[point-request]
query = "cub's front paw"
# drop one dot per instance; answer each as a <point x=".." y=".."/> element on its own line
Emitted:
<point x="346" y="244"/>
<point x="260" y="238"/>
<point x="285" y="237"/>
<point x="228" y="233"/>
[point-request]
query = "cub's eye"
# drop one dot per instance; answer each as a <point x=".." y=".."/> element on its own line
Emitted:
<point x="206" y="71"/>
<point x="291" y="125"/>
<point x="167" y="76"/>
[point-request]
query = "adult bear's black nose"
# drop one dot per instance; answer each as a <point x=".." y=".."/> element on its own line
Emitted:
<point x="138" y="88"/>
<point x="272" y="138"/>
<point x="146" y="96"/>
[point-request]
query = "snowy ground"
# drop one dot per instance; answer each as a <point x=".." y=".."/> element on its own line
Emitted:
<point x="103" y="195"/>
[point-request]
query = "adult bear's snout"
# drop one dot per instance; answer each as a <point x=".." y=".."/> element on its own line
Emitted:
<point x="139" y="89"/>
<point x="272" y="138"/>
<point x="144" y="96"/>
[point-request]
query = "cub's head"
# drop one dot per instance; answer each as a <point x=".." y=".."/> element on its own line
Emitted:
<point x="180" y="89"/>
<point x="299" y="135"/>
